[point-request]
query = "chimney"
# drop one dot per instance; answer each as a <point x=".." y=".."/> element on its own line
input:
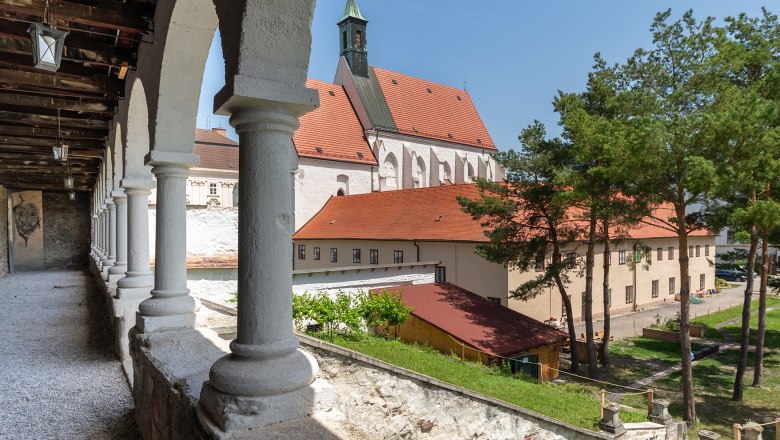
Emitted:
<point x="220" y="131"/>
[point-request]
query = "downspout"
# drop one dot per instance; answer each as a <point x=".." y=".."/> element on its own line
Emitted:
<point x="414" y="242"/>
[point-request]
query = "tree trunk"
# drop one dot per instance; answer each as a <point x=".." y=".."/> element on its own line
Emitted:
<point x="575" y="360"/>
<point x="758" y="370"/>
<point x="744" y="337"/>
<point x="689" y="404"/>
<point x="607" y="299"/>
<point x="589" y="263"/>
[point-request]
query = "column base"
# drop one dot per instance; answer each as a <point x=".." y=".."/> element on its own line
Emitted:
<point x="133" y="280"/>
<point x="156" y="324"/>
<point x="223" y="413"/>
<point x="125" y="310"/>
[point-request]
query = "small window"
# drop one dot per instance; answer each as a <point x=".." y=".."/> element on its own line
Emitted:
<point x="395" y="82"/>
<point x="358" y="39"/>
<point x="340" y="192"/>
<point x="690" y="251"/>
<point x="539" y="266"/>
<point x="671" y="252"/>
<point x="654" y="289"/>
<point x="629" y="294"/>
<point x="331" y="93"/>
<point x="706" y="250"/>
<point x="212" y="189"/>
<point x="494" y="300"/>
<point x="622" y="257"/>
<point x="702" y="281"/>
<point x="440" y="274"/>
<point x="698" y="250"/>
<point x="316" y="253"/>
<point x="659" y="254"/>
<point x="429" y="90"/>
<point x="356" y="255"/>
<point x="334" y="255"/>
<point x="344" y="40"/>
<point x="373" y="256"/>
<point x="672" y="287"/>
<point x="398" y="257"/>
<point x="301" y="252"/>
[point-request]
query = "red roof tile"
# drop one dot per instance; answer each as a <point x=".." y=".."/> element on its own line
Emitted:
<point x="425" y="214"/>
<point x="216" y="151"/>
<point x="333" y="127"/>
<point x="492" y="328"/>
<point x="427" y="109"/>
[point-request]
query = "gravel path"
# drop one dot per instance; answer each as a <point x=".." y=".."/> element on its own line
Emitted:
<point x="58" y="375"/>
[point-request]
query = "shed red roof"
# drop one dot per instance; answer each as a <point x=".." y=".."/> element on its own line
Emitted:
<point x="333" y="127"/>
<point x="216" y="151"/>
<point x="427" y="109"/>
<point x="425" y="214"/>
<point x="492" y="328"/>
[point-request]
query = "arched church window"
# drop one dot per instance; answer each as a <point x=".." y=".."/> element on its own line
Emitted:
<point x="340" y="192"/>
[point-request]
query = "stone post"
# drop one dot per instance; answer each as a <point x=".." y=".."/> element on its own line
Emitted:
<point x="708" y="435"/>
<point x="752" y="431"/>
<point x="611" y="422"/>
<point x="138" y="280"/>
<point x="660" y="413"/>
<point x="103" y="235"/>
<point x="119" y="268"/>
<point x="170" y="307"/>
<point x="266" y="378"/>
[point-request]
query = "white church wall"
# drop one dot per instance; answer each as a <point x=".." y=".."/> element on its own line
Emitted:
<point x="411" y="162"/>
<point x="316" y="181"/>
<point x="207" y="187"/>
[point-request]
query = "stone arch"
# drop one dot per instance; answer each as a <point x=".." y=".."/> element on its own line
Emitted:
<point x="136" y="139"/>
<point x="117" y="156"/>
<point x="388" y="174"/>
<point x="342" y="181"/>
<point x="419" y="173"/>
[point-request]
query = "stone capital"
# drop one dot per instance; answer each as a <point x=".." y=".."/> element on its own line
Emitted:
<point x="246" y="93"/>
<point x="118" y="195"/>
<point x="159" y="159"/>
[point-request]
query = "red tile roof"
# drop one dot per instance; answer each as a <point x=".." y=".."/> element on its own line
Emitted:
<point x="427" y="109"/>
<point x="424" y="214"/>
<point x="333" y="127"/>
<point x="216" y="151"/>
<point x="492" y="328"/>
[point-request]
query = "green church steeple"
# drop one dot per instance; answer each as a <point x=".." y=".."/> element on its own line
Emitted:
<point x="352" y="28"/>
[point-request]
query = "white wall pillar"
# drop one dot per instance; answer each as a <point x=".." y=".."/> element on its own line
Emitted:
<point x="110" y="237"/>
<point x="266" y="374"/>
<point x="103" y="235"/>
<point x="138" y="276"/>
<point x="171" y="306"/>
<point x="119" y="268"/>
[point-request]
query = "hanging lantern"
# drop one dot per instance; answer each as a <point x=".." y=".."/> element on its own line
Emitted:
<point x="69" y="182"/>
<point x="60" y="150"/>
<point x="72" y="195"/>
<point x="47" y="45"/>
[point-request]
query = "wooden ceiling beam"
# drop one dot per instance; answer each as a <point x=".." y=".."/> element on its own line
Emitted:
<point x="17" y="118"/>
<point x="74" y="152"/>
<point x="51" y="133"/>
<point x="109" y="14"/>
<point x="37" y="142"/>
<point x="45" y="160"/>
<point x="50" y="103"/>
<point x="96" y="85"/>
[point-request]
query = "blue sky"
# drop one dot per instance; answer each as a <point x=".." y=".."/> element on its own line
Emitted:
<point x="514" y="55"/>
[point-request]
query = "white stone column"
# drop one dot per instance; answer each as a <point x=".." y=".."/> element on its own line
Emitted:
<point x="110" y="220"/>
<point x="119" y="268"/>
<point x="171" y="306"/>
<point x="138" y="277"/>
<point x="266" y="378"/>
<point x="103" y="235"/>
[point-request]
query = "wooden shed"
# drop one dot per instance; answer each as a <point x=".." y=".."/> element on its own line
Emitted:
<point x="454" y="320"/>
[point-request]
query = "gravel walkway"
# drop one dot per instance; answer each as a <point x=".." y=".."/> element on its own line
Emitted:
<point x="58" y="375"/>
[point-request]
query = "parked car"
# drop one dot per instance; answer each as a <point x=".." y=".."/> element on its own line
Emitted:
<point x="730" y="275"/>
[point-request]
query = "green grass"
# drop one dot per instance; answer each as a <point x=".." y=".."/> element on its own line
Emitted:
<point x="714" y="377"/>
<point x="649" y="349"/>
<point x="571" y="403"/>
<point x="732" y="313"/>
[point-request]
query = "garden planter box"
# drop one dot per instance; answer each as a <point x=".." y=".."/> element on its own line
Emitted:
<point x="697" y="331"/>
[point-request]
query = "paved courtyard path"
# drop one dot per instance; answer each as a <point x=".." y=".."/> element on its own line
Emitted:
<point x="58" y="375"/>
<point x="631" y="324"/>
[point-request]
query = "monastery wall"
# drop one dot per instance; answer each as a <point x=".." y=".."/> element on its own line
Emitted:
<point x="4" y="231"/>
